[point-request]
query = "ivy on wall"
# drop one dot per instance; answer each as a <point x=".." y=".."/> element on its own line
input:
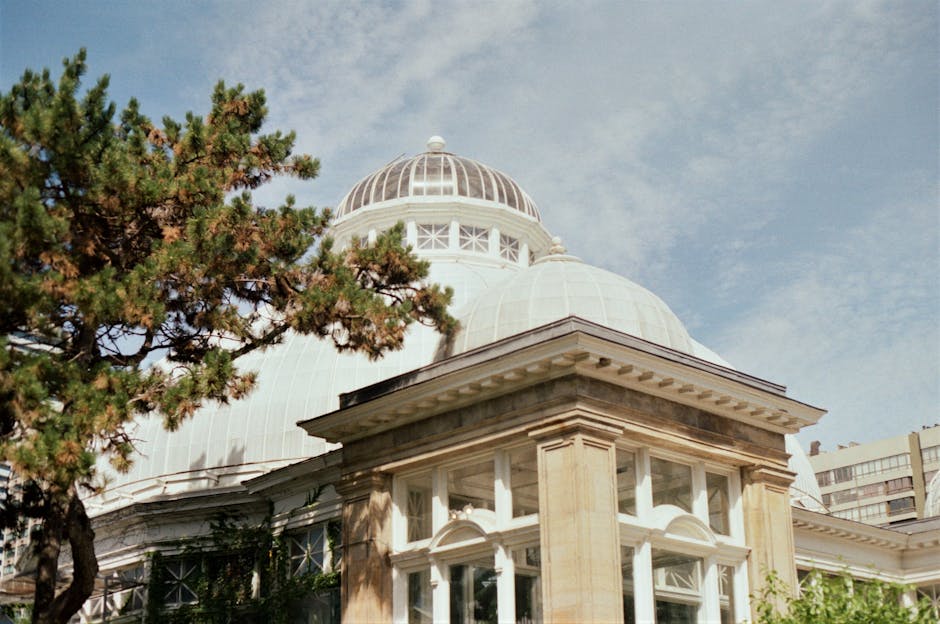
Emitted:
<point x="239" y="574"/>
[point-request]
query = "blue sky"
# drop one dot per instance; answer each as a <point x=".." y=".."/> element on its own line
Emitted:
<point x="769" y="169"/>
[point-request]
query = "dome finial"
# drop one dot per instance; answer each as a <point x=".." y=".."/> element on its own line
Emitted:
<point x="557" y="248"/>
<point x="436" y="143"/>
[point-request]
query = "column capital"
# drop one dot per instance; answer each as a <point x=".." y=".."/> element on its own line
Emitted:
<point x="577" y="423"/>
<point x="773" y="477"/>
<point x="359" y="484"/>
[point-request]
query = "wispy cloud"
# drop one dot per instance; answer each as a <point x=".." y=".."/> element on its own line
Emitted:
<point x="854" y="328"/>
<point x="668" y="143"/>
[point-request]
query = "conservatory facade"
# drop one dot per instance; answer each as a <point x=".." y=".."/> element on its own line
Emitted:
<point x="570" y="454"/>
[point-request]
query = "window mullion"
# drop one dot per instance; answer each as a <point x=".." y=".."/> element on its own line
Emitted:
<point x="699" y="493"/>
<point x="440" y="591"/>
<point x="736" y="509"/>
<point x="439" y="515"/>
<point x="711" y="606"/>
<point x="505" y="585"/>
<point x="502" y="489"/>
<point x="644" y="485"/>
<point x="643" y="599"/>
<point x="742" y="610"/>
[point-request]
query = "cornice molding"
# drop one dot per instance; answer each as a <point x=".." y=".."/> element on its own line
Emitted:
<point x="562" y="348"/>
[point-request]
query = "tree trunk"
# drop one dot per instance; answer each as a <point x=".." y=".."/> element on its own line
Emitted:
<point x="71" y="521"/>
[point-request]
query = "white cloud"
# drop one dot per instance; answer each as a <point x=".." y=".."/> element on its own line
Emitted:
<point x="854" y="329"/>
<point x="668" y="143"/>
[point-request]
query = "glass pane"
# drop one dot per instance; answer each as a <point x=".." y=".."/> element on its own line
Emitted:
<point x="672" y="483"/>
<point x="626" y="482"/>
<point x="474" y="239"/>
<point x="473" y="592"/>
<point x="675" y="613"/>
<point x="528" y="564"/>
<point x="306" y="550"/>
<point x="509" y="248"/>
<point x="419" y="598"/>
<point x="676" y="584"/>
<point x="726" y="593"/>
<point x="471" y="486"/>
<point x="433" y="236"/>
<point x="418" y="507"/>
<point x="626" y="568"/>
<point x="524" y="481"/>
<point x="718" y="503"/>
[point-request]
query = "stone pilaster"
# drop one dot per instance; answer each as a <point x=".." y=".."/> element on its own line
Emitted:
<point x="581" y="578"/>
<point x="768" y="526"/>
<point x="367" y="570"/>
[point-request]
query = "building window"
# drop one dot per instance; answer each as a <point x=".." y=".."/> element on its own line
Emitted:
<point x="433" y="236"/>
<point x="884" y="464"/>
<point x="418" y="507"/>
<point x="824" y="478"/>
<point x="474" y="239"/>
<point x="726" y="593"/>
<point x="419" y="598"/>
<point x="524" y="481"/>
<point x="509" y="248"/>
<point x="482" y="552"/>
<point x="626" y="482"/>
<point x="672" y="483"/>
<point x="182" y="576"/>
<point x="718" y="504"/>
<point x="844" y="496"/>
<point x="527" y="563"/>
<point x="626" y="571"/>
<point x="677" y="582"/>
<point x="899" y="485"/>
<point x="930" y="454"/>
<point x="900" y="505"/>
<point x="473" y="592"/>
<point x="307" y="550"/>
<point x="843" y="474"/>
<point x="872" y="490"/>
<point x="931" y="593"/>
<point x="471" y="486"/>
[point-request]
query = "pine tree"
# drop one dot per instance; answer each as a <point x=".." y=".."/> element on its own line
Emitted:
<point x="122" y="241"/>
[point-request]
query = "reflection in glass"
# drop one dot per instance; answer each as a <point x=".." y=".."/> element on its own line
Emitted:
<point x="677" y="587"/>
<point x="419" y="598"/>
<point x="473" y="592"/>
<point x="672" y="483"/>
<point x="471" y="485"/>
<point x="626" y="568"/>
<point x="418" y="507"/>
<point x="524" y="481"/>
<point x="626" y="482"/>
<point x="726" y="593"/>
<point x="528" y="565"/>
<point x="718" y="504"/>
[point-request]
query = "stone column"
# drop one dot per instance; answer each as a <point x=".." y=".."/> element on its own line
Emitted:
<point x="768" y="527"/>
<point x="367" y="570"/>
<point x="580" y="540"/>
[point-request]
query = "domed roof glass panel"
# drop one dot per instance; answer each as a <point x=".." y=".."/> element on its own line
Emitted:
<point x="437" y="173"/>
<point x="558" y="286"/>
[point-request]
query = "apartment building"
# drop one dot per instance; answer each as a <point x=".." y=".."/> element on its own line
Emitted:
<point x="881" y="482"/>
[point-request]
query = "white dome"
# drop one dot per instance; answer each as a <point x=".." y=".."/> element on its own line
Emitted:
<point x="558" y="286"/>
<point x="300" y="378"/>
<point x="804" y="492"/>
<point x="303" y="376"/>
<point x="437" y="175"/>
